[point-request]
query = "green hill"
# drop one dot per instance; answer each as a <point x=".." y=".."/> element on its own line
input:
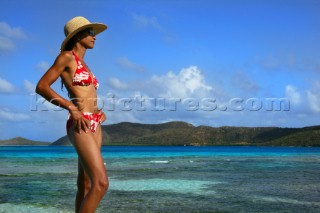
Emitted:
<point x="22" y="141"/>
<point x="181" y="133"/>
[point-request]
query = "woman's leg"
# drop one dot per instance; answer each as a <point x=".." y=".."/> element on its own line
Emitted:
<point x="83" y="181"/>
<point x="83" y="184"/>
<point x="88" y="149"/>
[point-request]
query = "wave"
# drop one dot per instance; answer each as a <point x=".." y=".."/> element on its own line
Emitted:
<point x="159" y="161"/>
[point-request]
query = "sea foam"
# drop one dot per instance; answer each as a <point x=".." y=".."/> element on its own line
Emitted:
<point x="157" y="184"/>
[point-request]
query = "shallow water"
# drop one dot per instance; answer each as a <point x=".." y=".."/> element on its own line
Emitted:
<point x="166" y="179"/>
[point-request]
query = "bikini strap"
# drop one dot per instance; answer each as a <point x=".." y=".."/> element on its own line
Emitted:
<point x="75" y="55"/>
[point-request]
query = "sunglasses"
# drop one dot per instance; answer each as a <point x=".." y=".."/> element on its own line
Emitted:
<point x="90" y="32"/>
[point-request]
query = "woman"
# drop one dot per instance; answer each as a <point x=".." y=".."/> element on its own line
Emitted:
<point x="83" y="125"/>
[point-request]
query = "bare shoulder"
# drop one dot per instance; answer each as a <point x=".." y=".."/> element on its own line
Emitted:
<point x="63" y="62"/>
<point x="64" y="57"/>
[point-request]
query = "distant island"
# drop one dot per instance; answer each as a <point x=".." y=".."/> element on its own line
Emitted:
<point x="184" y="134"/>
<point x="18" y="141"/>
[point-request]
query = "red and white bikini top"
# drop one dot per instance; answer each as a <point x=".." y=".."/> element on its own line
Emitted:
<point x="82" y="77"/>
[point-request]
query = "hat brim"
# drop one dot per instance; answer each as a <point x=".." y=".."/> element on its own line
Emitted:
<point x="97" y="27"/>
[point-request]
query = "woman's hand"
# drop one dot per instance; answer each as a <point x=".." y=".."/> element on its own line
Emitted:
<point x="80" y="122"/>
<point x="103" y="116"/>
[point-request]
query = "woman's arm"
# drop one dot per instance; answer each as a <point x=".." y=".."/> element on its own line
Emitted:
<point x="44" y="89"/>
<point x="44" y="85"/>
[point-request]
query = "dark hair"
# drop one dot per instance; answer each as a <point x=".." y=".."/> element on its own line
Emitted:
<point x="70" y="43"/>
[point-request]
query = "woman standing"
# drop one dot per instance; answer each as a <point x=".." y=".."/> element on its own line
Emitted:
<point x="83" y="125"/>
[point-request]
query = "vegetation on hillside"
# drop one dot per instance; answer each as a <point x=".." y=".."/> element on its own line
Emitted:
<point x="184" y="134"/>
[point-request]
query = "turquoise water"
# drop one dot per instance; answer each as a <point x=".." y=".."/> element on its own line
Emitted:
<point x="166" y="179"/>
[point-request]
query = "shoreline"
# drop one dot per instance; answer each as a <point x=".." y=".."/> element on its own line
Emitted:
<point x="122" y="145"/>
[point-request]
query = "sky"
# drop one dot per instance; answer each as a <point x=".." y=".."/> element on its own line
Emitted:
<point x="249" y="63"/>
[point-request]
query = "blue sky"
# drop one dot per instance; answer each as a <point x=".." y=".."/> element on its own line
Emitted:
<point x="215" y="63"/>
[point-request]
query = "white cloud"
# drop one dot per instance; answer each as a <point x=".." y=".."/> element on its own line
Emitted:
<point x="8" y="36"/>
<point x="29" y="87"/>
<point x="8" y="115"/>
<point x="292" y="94"/>
<point x="314" y="101"/>
<point x="122" y="117"/>
<point x="117" y="84"/>
<point x="6" y="44"/>
<point x="145" y="22"/>
<point x="160" y="98"/>
<point x="11" y="32"/>
<point x="313" y="97"/>
<point x="6" y="86"/>
<point x="151" y="23"/>
<point x="42" y="66"/>
<point x="126" y="64"/>
<point x="189" y="82"/>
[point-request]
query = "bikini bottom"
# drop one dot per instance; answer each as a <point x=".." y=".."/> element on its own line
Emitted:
<point x="94" y="118"/>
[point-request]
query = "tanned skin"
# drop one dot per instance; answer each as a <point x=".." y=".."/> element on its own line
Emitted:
<point x="92" y="179"/>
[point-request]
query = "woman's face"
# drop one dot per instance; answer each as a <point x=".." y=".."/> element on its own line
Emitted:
<point x="87" y="38"/>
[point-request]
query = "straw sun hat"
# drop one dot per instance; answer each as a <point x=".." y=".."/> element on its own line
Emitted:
<point x="75" y="25"/>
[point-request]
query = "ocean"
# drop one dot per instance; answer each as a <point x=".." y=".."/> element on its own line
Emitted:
<point x="42" y="179"/>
